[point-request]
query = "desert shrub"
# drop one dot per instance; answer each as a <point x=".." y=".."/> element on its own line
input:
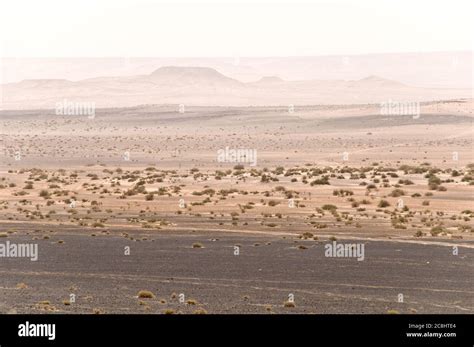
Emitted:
<point x="329" y="207"/>
<point x="397" y="192"/>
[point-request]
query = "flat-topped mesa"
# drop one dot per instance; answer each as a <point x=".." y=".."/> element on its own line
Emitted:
<point x="190" y="74"/>
<point x="270" y="79"/>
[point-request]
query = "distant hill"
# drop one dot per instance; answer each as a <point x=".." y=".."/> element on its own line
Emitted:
<point x="270" y="79"/>
<point x="195" y="75"/>
<point x="206" y="86"/>
<point x="376" y="80"/>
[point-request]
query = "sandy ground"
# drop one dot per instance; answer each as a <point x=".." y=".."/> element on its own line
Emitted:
<point x="149" y="178"/>
<point x="258" y="280"/>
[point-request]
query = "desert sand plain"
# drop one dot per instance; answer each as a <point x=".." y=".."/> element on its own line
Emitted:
<point x="133" y="212"/>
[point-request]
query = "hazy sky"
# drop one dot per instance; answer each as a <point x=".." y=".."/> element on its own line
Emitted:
<point x="96" y="28"/>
